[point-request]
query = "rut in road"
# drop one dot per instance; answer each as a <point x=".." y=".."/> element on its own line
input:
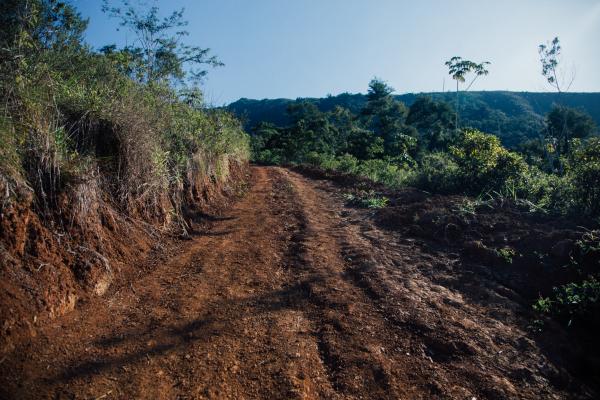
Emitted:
<point x="288" y="295"/>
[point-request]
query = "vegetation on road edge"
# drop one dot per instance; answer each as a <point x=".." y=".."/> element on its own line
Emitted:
<point x="129" y="118"/>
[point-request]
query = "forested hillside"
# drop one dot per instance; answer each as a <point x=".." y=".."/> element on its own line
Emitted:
<point x="427" y="143"/>
<point x="513" y="116"/>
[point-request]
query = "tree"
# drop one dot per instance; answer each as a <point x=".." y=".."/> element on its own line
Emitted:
<point x="343" y="122"/>
<point x="36" y="30"/>
<point x="379" y="97"/>
<point x="550" y="60"/>
<point x="36" y="36"/>
<point x="385" y="116"/>
<point x="159" y="53"/>
<point x="459" y="68"/>
<point x="364" y="144"/>
<point x="310" y="130"/>
<point x="566" y="123"/>
<point x="434" y="120"/>
<point x="265" y="143"/>
<point x="562" y="122"/>
<point x="46" y="24"/>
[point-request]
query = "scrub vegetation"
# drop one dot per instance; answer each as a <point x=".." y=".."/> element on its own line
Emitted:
<point x="127" y="117"/>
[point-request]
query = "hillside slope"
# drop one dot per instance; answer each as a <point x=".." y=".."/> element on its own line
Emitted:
<point x="513" y="116"/>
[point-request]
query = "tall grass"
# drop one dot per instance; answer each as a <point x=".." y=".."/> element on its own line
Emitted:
<point x="70" y="116"/>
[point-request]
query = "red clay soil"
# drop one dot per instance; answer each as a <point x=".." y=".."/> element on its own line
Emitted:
<point x="289" y="294"/>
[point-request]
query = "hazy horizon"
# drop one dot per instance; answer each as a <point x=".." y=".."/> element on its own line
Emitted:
<point x="274" y="49"/>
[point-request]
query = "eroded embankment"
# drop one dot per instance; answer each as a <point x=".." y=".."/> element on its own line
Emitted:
<point x="290" y="294"/>
<point x="55" y="258"/>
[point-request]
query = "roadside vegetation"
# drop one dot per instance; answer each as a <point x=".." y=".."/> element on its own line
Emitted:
<point x="420" y="147"/>
<point x="130" y="119"/>
<point x="578" y="302"/>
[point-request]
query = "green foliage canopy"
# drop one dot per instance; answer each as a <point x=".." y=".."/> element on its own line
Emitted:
<point x="159" y="52"/>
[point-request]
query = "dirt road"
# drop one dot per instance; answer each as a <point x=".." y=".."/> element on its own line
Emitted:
<point x="290" y="294"/>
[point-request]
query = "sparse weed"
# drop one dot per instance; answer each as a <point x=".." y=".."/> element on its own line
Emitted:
<point x="571" y="301"/>
<point x="507" y="254"/>
<point x="468" y="206"/>
<point x="589" y="242"/>
<point x="543" y="305"/>
<point x="369" y="199"/>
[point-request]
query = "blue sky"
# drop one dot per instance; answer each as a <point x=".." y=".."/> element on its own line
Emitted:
<point x="311" y="48"/>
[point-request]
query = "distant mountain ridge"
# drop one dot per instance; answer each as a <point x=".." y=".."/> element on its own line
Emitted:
<point x="513" y="116"/>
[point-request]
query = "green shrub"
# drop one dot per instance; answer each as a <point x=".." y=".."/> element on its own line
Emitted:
<point x="546" y="192"/>
<point x="347" y="163"/>
<point x="589" y="245"/>
<point x="267" y="156"/>
<point x="438" y="173"/>
<point x="584" y="172"/>
<point x="326" y="161"/>
<point x="383" y="171"/>
<point x="506" y="253"/>
<point x="484" y="165"/>
<point x="572" y="302"/>
<point x="578" y="301"/>
<point x="476" y="164"/>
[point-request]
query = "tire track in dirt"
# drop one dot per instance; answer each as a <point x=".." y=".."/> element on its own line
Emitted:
<point x="217" y="320"/>
<point x="288" y="295"/>
<point x="350" y="330"/>
<point x="427" y="332"/>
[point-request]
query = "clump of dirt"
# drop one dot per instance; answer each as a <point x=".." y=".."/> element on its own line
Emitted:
<point x="495" y="233"/>
<point x="527" y="252"/>
<point x="50" y="263"/>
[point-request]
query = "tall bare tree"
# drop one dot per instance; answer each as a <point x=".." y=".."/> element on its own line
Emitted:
<point x="550" y="59"/>
<point x="560" y="121"/>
